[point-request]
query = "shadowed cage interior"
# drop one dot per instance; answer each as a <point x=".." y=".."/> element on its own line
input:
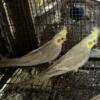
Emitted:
<point x="27" y="24"/>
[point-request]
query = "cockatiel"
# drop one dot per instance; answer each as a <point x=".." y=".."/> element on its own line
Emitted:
<point x="71" y="61"/>
<point x="46" y="53"/>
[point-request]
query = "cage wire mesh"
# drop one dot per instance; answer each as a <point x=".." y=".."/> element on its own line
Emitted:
<point x="30" y="24"/>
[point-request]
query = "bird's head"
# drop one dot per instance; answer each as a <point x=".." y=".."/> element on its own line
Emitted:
<point x="92" y="39"/>
<point x="60" y="38"/>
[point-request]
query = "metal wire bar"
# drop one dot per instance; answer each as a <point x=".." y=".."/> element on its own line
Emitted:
<point x="73" y="86"/>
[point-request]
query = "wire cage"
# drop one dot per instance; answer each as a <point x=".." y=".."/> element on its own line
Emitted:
<point x="28" y="24"/>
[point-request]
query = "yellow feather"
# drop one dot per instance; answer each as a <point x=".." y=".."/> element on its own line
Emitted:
<point x="64" y="31"/>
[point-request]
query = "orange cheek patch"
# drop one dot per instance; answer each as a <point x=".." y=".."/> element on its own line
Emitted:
<point x="58" y="41"/>
<point x="90" y="43"/>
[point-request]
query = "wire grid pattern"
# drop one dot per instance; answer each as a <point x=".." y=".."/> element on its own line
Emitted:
<point x="48" y="16"/>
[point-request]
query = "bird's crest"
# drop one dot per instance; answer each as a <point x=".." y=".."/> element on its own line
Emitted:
<point x="95" y="32"/>
<point x="63" y="31"/>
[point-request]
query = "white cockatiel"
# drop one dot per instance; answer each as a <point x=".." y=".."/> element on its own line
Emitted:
<point x="46" y="53"/>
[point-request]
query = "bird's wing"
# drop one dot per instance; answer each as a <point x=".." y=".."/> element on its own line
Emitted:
<point x="67" y="63"/>
<point x="38" y="49"/>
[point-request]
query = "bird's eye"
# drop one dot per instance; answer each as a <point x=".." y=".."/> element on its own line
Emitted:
<point x="62" y="38"/>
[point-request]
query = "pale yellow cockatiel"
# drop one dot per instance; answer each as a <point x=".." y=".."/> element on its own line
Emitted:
<point x="71" y="61"/>
<point x="46" y="53"/>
